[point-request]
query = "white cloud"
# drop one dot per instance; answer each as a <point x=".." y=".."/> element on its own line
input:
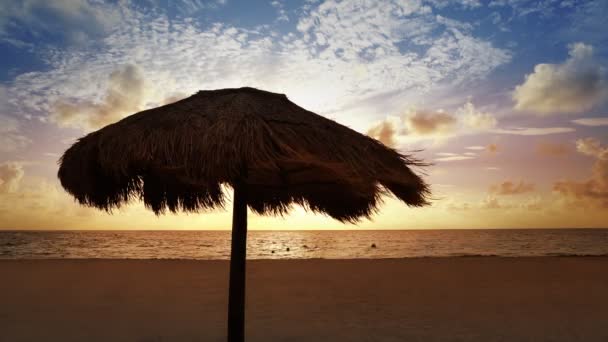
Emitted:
<point x="588" y="20"/>
<point x="574" y="86"/>
<point x="467" y="155"/>
<point x="281" y="12"/>
<point x="344" y="54"/>
<point x="592" y="147"/>
<point x="124" y="96"/>
<point x="475" y="118"/>
<point x="77" y="20"/>
<point x="591" y="121"/>
<point x="11" y="137"/>
<point x="450" y="156"/>
<point x="80" y="21"/>
<point x="362" y="41"/>
<point x="529" y="131"/>
<point x="454" y="158"/>
<point x="461" y="3"/>
<point x="528" y="7"/>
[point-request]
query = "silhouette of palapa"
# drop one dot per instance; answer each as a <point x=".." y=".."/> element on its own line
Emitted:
<point x="272" y="152"/>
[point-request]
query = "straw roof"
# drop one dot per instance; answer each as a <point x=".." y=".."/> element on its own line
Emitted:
<point x="177" y="156"/>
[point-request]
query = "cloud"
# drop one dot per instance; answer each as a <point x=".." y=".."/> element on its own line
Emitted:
<point x="385" y="131"/>
<point x="124" y="95"/>
<point x="423" y="122"/>
<point x="76" y="20"/>
<point x="574" y="86"/>
<point x="11" y="174"/>
<point x="281" y="13"/>
<point x="591" y="121"/>
<point x="593" y="191"/>
<point x="456" y="206"/>
<point x="173" y="98"/>
<point x="432" y="124"/>
<point x="512" y="188"/>
<point x="491" y="203"/>
<point x="474" y="118"/>
<point x="455" y="157"/>
<point x="547" y="148"/>
<point x="492" y="148"/>
<point x="592" y="147"/>
<point x="468" y="4"/>
<point x="417" y="124"/>
<point x="450" y="156"/>
<point x="341" y="55"/>
<point x="11" y="138"/>
<point x="36" y="203"/>
<point x="533" y="204"/>
<point x="530" y="131"/>
<point x="588" y="19"/>
<point x="523" y="8"/>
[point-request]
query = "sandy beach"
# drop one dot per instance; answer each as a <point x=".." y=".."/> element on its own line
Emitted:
<point x="422" y="299"/>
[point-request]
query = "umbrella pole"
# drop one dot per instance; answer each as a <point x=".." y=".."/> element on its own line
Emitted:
<point x="236" y="294"/>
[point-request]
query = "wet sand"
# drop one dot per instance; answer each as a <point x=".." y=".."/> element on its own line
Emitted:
<point x="426" y="299"/>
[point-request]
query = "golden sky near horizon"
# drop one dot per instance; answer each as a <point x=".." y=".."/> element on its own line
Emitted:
<point x="508" y="100"/>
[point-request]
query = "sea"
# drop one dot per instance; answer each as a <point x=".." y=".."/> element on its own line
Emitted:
<point x="311" y="244"/>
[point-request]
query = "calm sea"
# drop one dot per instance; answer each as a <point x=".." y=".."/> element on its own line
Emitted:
<point x="303" y="244"/>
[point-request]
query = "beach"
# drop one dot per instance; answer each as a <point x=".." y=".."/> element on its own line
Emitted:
<point x="414" y="299"/>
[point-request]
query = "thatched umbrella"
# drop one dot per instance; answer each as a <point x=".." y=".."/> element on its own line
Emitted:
<point x="272" y="152"/>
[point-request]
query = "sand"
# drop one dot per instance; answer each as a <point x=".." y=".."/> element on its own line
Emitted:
<point x="427" y="299"/>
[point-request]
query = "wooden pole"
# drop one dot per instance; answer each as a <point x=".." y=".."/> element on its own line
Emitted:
<point x="238" y="255"/>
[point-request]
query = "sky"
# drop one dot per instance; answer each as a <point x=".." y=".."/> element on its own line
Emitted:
<point x="507" y="99"/>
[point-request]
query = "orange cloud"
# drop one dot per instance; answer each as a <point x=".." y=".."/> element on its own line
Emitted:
<point x="593" y="191"/>
<point x="385" y="132"/>
<point x="547" y="148"/>
<point x="429" y="122"/>
<point x="511" y="188"/>
<point x="492" y="148"/>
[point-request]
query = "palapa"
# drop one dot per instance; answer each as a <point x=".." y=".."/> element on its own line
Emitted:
<point x="272" y="152"/>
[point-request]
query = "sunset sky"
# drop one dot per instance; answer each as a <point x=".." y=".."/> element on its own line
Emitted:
<point x="507" y="98"/>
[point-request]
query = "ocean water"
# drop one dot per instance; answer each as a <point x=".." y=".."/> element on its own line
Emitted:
<point x="353" y="244"/>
